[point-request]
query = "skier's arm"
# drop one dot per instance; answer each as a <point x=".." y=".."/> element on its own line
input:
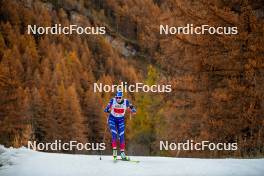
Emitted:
<point x="131" y="107"/>
<point x="108" y="107"/>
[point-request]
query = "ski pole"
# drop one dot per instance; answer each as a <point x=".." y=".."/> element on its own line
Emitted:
<point x="101" y="152"/>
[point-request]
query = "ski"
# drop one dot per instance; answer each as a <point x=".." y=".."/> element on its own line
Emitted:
<point x="134" y="161"/>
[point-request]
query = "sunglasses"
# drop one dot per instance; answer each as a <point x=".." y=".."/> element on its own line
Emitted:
<point x="118" y="98"/>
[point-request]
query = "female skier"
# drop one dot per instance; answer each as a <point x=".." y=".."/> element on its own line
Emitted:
<point x="116" y="122"/>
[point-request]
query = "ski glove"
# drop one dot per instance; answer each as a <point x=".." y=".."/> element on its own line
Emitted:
<point x="107" y="110"/>
<point x="133" y="109"/>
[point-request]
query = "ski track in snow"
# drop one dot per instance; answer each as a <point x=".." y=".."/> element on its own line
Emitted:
<point x="24" y="162"/>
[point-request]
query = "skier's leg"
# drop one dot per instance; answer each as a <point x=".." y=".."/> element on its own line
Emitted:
<point x="112" y="127"/>
<point x="121" y="132"/>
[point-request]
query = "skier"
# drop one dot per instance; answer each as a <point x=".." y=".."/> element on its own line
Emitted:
<point x="116" y="122"/>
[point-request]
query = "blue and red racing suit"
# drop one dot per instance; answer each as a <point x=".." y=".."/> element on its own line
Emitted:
<point x="116" y="120"/>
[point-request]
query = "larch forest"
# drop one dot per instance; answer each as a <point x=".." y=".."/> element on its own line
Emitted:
<point x="46" y="81"/>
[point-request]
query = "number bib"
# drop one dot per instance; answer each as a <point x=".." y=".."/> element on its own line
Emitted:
<point x="118" y="110"/>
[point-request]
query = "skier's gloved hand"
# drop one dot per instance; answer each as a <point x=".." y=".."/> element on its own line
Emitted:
<point x="132" y="109"/>
<point x="107" y="110"/>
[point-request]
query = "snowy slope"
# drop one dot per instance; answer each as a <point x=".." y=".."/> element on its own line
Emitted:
<point x="24" y="162"/>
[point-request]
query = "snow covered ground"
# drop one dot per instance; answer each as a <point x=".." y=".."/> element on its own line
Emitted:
<point x="24" y="162"/>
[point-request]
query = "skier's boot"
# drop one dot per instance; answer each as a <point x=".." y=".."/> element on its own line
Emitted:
<point x="124" y="157"/>
<point x="115" y="154"/>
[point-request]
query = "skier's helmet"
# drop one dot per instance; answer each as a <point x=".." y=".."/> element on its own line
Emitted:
<point x="119" y="96"/>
